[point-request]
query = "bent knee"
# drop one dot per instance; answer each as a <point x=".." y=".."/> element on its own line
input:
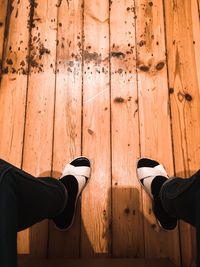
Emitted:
<point x="7" y="176"/>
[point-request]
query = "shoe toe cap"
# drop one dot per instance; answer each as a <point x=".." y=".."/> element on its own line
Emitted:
<point x="81" y="161"/>
<point x="146" y="162"/>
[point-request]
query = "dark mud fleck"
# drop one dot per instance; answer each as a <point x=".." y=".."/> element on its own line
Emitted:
<point x="43" y="50"/>
<point x="88" y="57"/>
<point x="33" y="63"/>
<point x="22" y="63"/>
<point x="119" y="55"/>
<point x="9" y="61"/>
<point x="119" y="100"/>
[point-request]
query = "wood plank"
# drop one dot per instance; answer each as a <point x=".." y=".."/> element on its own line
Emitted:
<point x="155" y="132"/>
<point x="127" y="222"/>
<point x="13" y="89"/>
<point x="68" y="117"/>
<point x="97" y="263"/>
<point x="183" y="43"/>
<point x="37" y="157"/>
<point x="96" y="200"/>
<point x="3" y="8"/>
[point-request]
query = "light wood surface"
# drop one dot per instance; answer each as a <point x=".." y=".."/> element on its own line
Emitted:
<point x="96" y="199"/>
<point x="3" y="8"/>
<point x="127" y="238"/>
<point x="155" y="135"/>
<point x="68" y="103"/>
<point x="183" y="43"/>
<point x="37" y="156"/>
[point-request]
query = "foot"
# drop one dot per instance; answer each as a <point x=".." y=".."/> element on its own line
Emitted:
<point x="152" y="176"/>
<point x="74" y="177"/>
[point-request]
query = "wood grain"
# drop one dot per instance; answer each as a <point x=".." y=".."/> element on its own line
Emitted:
<point x="96" y="200"/>
<point x="37" y="156"/>
<point x="3" y="13"/>
<point x="127" y="221"/>
<point x="68" y="117"/>
<point x="183" y="43"/>
<point x="155" y="132"/>
<point x="89" y="71"/>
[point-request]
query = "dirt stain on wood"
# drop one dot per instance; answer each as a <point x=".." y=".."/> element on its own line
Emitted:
<point x="60" y="3"/>
<point x="9" y="61"/>
<point x="7" y="24"/>
<point x="119" y="100"/>
<point x="148" y="29"/>
<point x="119" y="55"/>
<point x="89" y="56"/>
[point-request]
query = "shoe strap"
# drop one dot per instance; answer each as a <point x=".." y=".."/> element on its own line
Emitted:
<point x="76" y="171"/>
<point x="147" y="184"/>
<point x="149" y="171"/>
<point x="82" y="181"/>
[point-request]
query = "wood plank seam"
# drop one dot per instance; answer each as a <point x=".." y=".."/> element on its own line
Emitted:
<point x="6" y="29"/>
<point x="170" y="114"/>
<point x="139" y="122"/>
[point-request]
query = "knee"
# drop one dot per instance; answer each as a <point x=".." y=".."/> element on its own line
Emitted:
<point x="7" y="177"/>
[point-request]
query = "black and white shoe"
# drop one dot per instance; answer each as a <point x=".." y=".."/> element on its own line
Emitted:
<point x="152" y="176"/>
<point x="75" y="176"/>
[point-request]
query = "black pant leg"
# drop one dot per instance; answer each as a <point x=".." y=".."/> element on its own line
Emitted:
<point x="39" y="199"/>
<point x="8" y="221"/>
<point x="181" y="199"/>
<point x="24" y="201"/>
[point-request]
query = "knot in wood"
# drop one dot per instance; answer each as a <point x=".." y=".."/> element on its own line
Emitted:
<point x="188" y="97"/>
<point x="144" y="68"/>
<point x="160" y="65"/>
<point x="127" y="210"/>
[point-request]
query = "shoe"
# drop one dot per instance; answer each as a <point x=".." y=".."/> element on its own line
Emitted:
<point x="152" y="176"/>
<point x="75" y="176"/>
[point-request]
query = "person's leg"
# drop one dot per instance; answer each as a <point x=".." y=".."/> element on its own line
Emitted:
<point x="180" y="196"/>
<point x="26" y="200"/>
<point x="8" y="222"/>
<point x="177" y="198"/>
<point x="152" y="176"/>
<point x="47" y="198"/>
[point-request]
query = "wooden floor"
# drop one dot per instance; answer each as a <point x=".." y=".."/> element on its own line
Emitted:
<point x="112" y="80"/>
<point x="96" y="263"/>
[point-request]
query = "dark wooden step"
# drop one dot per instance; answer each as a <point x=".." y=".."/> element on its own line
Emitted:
<point x="95" y="263"/>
